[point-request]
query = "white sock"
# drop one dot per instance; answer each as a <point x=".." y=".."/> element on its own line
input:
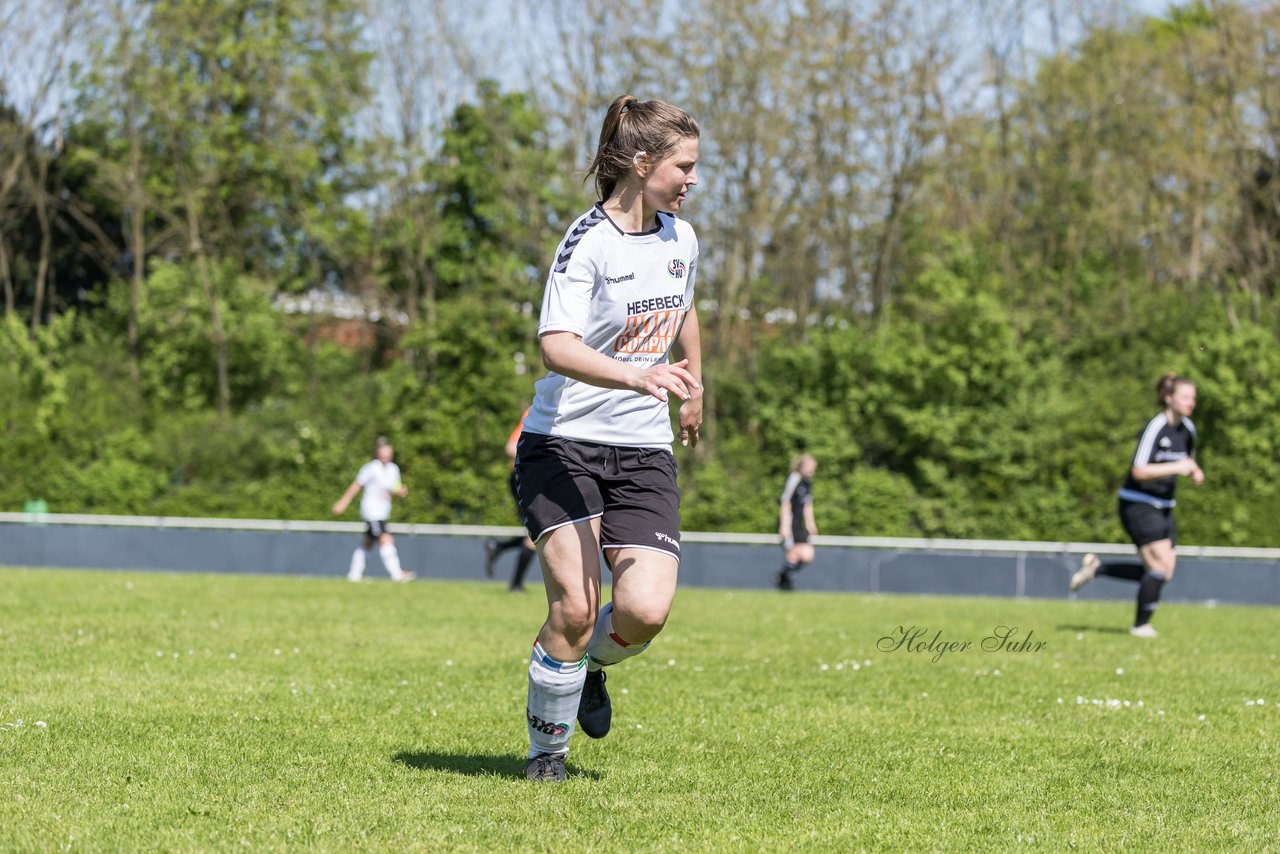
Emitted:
<point x="606" y="647"/>
<point x="391" y="560"/>
<point x="356" y="572"/>
<point x="555" y="687"/>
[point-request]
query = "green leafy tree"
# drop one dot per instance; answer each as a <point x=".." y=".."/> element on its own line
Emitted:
<point x="500" y="205"/>
<point x="1238" y="422"/>
<point x="230" y="138"/>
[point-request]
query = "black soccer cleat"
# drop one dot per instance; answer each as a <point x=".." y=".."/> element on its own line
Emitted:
<point x="782" y="581"/>
<point x="545" y="768"/>
<point x="595" y="712"/>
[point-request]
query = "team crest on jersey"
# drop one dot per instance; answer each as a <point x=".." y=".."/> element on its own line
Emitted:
<point x="1165" y="442"/>
<point x="676" y="268"/>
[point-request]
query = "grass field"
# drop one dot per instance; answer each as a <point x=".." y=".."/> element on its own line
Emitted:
<point x="195" y="712"/>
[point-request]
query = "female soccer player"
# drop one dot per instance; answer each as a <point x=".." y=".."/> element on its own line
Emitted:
<point x="380" y="479"/>
<point x="1166" y="449"/>
<point x="594" y="463"/>
<point x="796" y="526"/>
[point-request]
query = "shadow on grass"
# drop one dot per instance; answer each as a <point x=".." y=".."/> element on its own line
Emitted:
<point x="1102" y="630"/>
<point x="476" y="765"/>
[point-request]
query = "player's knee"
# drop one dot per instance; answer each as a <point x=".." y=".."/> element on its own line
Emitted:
<point x="574" y="620"/>
<point x="643" y="621"/>
<point x="1161" y="561"/>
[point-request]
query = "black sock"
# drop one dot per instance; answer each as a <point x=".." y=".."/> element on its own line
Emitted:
<point x="1148" y="597"/>
<point x="788" y="570"/>
<point x="522" y="566"/>
<point x="1127" y="569"/>
<point x="506" y="545"/>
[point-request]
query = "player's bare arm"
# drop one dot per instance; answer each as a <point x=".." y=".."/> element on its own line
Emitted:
<point x="340" y="506"/>
<point x="564" y="353"/>
<point x="689" y="347"/>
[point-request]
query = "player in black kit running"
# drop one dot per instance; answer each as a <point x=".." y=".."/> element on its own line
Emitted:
<point x="796" y="525"/>
<point x="1166" y="449"/>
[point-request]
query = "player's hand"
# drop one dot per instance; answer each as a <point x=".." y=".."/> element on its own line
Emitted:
<point x="1197" y="475"/>
<point x="402" y="491"/>
<point x="338" y="508"/>
<point x="659" y="380"/>
<point x="691" y="420"/>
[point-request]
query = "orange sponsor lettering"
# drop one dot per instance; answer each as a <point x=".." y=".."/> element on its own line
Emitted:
<point x="649" y="333"/>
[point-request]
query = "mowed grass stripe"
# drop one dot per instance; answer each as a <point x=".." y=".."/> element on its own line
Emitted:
<point x="210" y="712"/>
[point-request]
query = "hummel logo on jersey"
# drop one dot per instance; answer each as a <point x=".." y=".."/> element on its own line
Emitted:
<point x="613" y="280"/>
<point x="676" y="268"/>
<point x="666" y="539"/>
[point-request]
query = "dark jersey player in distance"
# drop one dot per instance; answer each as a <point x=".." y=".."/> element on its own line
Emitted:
<point x="1166" y="451"/>
<point x="796" y="525"/>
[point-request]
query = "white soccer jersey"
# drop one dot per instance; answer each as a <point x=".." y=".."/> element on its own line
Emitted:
<point x="626" y="295"/>
<point x="379" y="480"/>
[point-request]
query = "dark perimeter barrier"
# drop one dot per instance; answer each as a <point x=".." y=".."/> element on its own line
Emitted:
<point x="849" y="564"/>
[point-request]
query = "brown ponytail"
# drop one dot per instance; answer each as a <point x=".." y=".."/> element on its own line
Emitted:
<point x="631" y="127"/>
<point x="1166" y="385"/>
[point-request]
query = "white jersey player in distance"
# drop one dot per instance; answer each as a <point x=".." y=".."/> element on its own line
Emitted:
<point x="380" y="480"/>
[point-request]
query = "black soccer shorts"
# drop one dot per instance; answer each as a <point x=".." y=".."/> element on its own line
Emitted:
<point x="632" y="491"/>
<point x="1147" y="524"/>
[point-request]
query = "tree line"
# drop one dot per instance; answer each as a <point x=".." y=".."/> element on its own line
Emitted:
<point x="947" y="249"/>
